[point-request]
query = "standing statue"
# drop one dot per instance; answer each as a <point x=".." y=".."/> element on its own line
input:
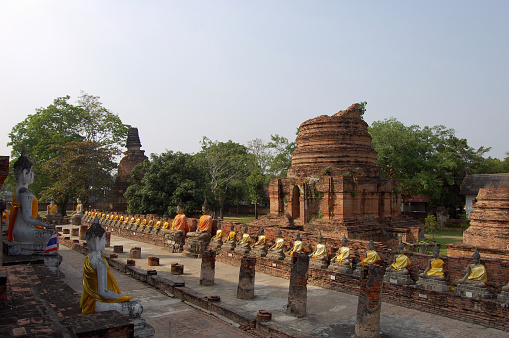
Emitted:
<point x="100" y="289"/>
<point x="23" y="223"/>
<point x="276" y="251"/>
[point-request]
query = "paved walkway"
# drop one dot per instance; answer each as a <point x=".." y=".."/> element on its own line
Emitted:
<point x="330" y="313"/>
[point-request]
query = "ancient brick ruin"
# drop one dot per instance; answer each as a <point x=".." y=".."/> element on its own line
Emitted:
<point x="133" y="156"/>
<point x="489" y="226"/>
<point x="334" y="184"/>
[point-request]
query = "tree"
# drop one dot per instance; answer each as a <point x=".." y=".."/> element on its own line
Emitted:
<point x="431" y="225"/>
<point x="81" y="170"/>
<point x="282" y="151"/>
<point x="226" y="163"/>
<point x="262" y="153"/>
<point x="45" y="132"/>
<point x="169" y="178"/>
<point x="430" y="161"/>
<point x="256" y="182"/>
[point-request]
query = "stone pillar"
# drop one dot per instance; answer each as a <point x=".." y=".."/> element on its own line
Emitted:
<point x="245" y="289"/>
<point x="208" y="267"/>
<point x="176" y="269"/>
<point x="108" y="239"/>
<point x="118" y="248"/>
<point x="75" y="232"/>
<point x="370" y="301"/>
<point x="83" y="232"/>
<point x="298" y="292"/>
<point x="135" y="253"/>
<point x="153" y="261"/>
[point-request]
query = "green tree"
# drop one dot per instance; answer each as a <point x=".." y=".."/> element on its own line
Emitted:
<point x="168" y="179"/>
<point x="226" y="163"/>
<point x="257" y="183"/>
<point x="431" y="225"/>
<point x="430" y="161"/>
<point x="48" y="129"/>
<point x="281" y="150"/>
<point x="81" y="170"/>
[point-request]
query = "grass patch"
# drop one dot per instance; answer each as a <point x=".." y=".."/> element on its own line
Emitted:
<point x="239" y="219"/>
<point x="449" y="233"/>
<point x="444" y="240"/>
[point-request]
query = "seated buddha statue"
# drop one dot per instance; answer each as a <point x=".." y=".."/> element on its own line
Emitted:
<point x="204" y="231"/>
<point x="372" y="256"/>
<point x="100" y="289"/>
<point x="320" y="257"/>
<point x="298" y="247"/>
<point x="476" y="272"/>
<point x="78" y="214"/>
<point x="179" y="226"/>
<point x="260" y="246"/>
<point x="277" y="250"/>
<point x="52" y="208"/>
<point x="398" y="273"/>
<point x="157" y="227"/>
<point x="435" y="269"/>
<point x="24" y="226"/>
<point x="217" y="241"/>
<point x="244" y="244"/>
<point x="341" y="261"/>
<point x="231" y="240"/>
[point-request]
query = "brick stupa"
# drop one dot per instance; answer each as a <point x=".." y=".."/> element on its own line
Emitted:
<point x="334" y="185"/>
<point x="133" y="156"/>
<point x="489" y="226"/>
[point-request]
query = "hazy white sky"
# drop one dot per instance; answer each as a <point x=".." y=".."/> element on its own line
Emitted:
<point x="240" y="70"/>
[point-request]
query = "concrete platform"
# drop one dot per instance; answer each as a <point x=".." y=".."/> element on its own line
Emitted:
<point x="330" y="313"/>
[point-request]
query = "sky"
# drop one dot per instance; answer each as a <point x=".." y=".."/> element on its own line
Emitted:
<point x="241" y="70"/>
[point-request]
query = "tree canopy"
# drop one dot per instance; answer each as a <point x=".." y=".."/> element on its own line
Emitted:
<point x="55" y="135"/>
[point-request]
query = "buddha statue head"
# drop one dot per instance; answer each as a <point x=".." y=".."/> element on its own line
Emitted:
<point x="232" y="228"/>
<point x="476" y="257"/>
<point x="371" y="245"/>
<point x="345" y="241"/>
<point x="401" y="248"/>
<point x="245" y="229"/>
<point x="297" y="237"/>
<point x="261" y="232"/>
<point x="95" y="236"/>
<point x="180" y="208"/>
<point x="205" y="208"/>
<point x="279" y="234"/>
<point x="320" y="238"/>
<point x="23" y="169"/>
<point x="436" y="251"/>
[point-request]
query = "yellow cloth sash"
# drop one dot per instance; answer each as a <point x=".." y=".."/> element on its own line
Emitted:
<point x="158" y="224"/>
<point x="150" y="223"/>
<point x="297" y="247"/>
<point x="344" y="253"/>
<point x="219" y="234"/>
<point x="478" y="273"/>
<point x="206" y="223"/>
<point x="246" y="239"/>
<point x="371" y="258"/>
<point x="436" y="268"/>
<point x="261" y="240"/>
<point x="137" y="222"/>
<point x="402" y="262"/>
<point x="53" y="209"/>
<point x="320" y="251"/>
<point x="144" y="222"/>
<point x="166" y="225"/>
<point x="280" y="242"/>
<point x="14" y="213"/>
<point x="232" y="236"/>
<point x="90" y="293"/>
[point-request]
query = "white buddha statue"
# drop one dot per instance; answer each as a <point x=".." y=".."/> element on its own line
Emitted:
<point x="23" y="223"/>
<point x="100" y="289"/>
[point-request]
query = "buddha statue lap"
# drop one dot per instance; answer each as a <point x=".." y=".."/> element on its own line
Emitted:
<point x="319" y="259"/>
<point x="157" y="227"/>
<point x="231" y="240"/>
<point x="24" y="227"/>
<point x="259" y="248"/>
<point x="177" y="233"/>
<point x="397" y="272"/>
<point x="433" y="278"/>
<point x="473" y="284"/>
<point x="244" y="244"/>
<point x="277" y="250"/>
<point x="198" y="240"/>
<point x="298" y="247"/>
<point x="341" y="261"/>
<point x="100" y="289"/>
<point x="503" y="296"/>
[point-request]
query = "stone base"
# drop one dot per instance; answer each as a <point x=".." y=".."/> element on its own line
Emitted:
<point x="433" y="284"/>
<point x="142" y="328"/>
<point x="175" y="243"/>
<point x="396" y="277"/>
<point x="275" y="255"/>
<point x="14" y="248"/>
<point x="318" y="263"/>
<point x="216" y="244"/>
<point x="473" y="291"/>
<point x="195" y="247"/>
<point x="341" y="268"/>
<point x="503" y="297"/>
<point x="76" y="219"/>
